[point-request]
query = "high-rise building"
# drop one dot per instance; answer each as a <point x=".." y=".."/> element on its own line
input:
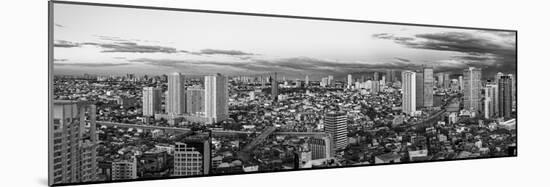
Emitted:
<point x="324" y="82"/>
<point x="350" y="81"/>
<point x="440" y="80"/>
<point x="419" y="89"/>
<point x="216" y="98"/>
<point x="472" y="89"/>
<point x="336" y="125"/>
<point x="505" y="96"/>
<point x="175" y="100"/>
<point x="330" y="80"/>
<point x="408" y="92"/>
<point x="124" y="169"/>
<point x="151" y="101"/>
<point x="374" y="86"/>
<point x="72" y="153"/>
<point x="375" y="76"/>
<point x="195" y="101"/>
<point x="514" y="96"/>
<point x="390" y="75"/>
<point x="491" y="100"/>
<point x="321" y="147"/>
<point x="428" y="86"/>
<point x="307" y="80"/>
<point x="447" y="81"/>
<point x="274" y="86"/>
<point x="460" y="83"/>
<point x="192" y="155"/>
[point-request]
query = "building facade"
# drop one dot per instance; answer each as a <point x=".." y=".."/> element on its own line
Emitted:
<point x="72" y="153"/>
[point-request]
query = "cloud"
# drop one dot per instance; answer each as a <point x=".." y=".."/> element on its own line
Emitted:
<point x="91" y="65"/>
<point x="65" y="44"/>
<point x="223" y="52"/>
<point x="494" y="51"/>
<point x="296" y="65"/>
<point x="131" y="47"/>
<point x="402" y="59"/>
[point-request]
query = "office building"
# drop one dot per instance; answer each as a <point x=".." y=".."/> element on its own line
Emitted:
<point x="175" y="100"/>
<point x="216" y="98"/>
<point x="151" y="101"/>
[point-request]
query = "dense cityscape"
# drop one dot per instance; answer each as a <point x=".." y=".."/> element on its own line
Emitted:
<point x="139" y="94"/>
<point x="123" y="127"/>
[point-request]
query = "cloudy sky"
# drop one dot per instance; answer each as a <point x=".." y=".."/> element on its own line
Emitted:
<point x="108" y="40"/>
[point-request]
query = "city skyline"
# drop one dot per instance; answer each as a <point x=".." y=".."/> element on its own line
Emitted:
<point x="274" y="94"/>
<point x="106" y="44"/>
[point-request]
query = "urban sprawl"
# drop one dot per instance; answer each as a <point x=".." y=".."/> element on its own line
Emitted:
<point x="122" y="127"/>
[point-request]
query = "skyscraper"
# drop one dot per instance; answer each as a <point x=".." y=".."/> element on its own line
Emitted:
<point x="408" y="92"/>
<point x="330" y="80"/>
<point x="72" y="153"/>
<point x="419" y="89"/>
<point x="195" y="101"/>
<point x="472" y="89"/>
<point x="151" y="101"/>
<point x="192" y="156"/>
<point x="460" y="83"/>
<point x="307" y="80"/>
<point x="216" y="98"/>
<point x="390" y="75"/>
<point x="175" y="101"/>
<point x="447" y="80"/>
<point x="514" y="96"/>
<point x="350" y="81"/>
<point x="336" y="125"/>
<point x="274" y="86"/>
<point x="375" y="76"/>
<point x="505" y="96"/>
<point x="428" y="86"/>
<point x="491" y="100"/>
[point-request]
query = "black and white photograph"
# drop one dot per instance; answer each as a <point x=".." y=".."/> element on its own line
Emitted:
<point x="142" y="93"/>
